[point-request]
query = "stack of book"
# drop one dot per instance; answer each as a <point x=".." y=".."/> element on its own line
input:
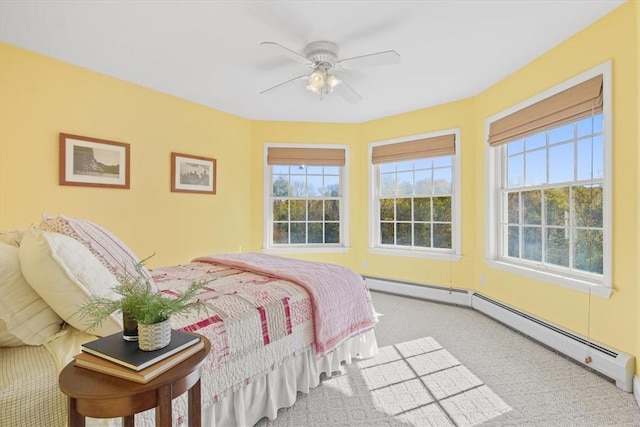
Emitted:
<point x="113" y="355"/>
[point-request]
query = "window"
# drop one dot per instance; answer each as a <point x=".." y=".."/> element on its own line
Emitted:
<point x="414" y="198"/>
<point x="305" y="197"/>
<point x="549" y="207"/>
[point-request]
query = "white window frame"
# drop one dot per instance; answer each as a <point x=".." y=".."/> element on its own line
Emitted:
<point x="267" y="235"/>
<point x="600" y="285"/>
<point x="453" y="254"/>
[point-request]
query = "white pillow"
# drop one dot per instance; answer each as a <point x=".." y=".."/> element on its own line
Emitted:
<point x="25" y="318"/>
<point x="112" y="252"/>
<point x="65" y="274"/>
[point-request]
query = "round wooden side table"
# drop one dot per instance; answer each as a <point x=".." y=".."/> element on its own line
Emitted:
<point x="97" y="395"/>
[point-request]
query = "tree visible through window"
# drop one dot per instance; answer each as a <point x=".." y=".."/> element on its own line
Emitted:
<point x="306" y="204"/>
<point x="553" y="193"/>
<point x="415" y="203"/>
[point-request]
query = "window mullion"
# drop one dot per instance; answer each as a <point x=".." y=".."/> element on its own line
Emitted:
<point x="431" y="227"/>
<point x="572" y="229"/>
<point x="395" y="215"/>
<point x="323" y="221"/>
<point x="543" y="222"/>
<point x="520" y="226"/>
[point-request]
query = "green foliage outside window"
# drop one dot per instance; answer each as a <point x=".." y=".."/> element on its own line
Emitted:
<point x="554" y="197"/>
<point x="416" y="221"/>
<point x="415" y="203"/>
<point x="306" y="206"/>
<point x="569" y="234"/>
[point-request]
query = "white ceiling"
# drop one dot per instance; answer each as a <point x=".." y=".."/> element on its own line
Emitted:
<point x="209" y="51"/>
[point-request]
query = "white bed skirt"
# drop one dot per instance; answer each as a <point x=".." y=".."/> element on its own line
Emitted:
<point x="243" y="408"/>
<point x="278" y="389"/>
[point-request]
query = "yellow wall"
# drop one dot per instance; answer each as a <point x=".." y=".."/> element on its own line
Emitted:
<point x="637" y="353"/>
<point x="612" y="321"/>
<point x="42" y="97"/>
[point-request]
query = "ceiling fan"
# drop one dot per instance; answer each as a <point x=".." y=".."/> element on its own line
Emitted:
<point x="322" y="58"/>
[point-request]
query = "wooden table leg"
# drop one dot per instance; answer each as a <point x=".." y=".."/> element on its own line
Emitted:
<point x="129" y="421"/>
<point x="75" y="418"/>
<point x="163" y="410"/>
<point x="194" y="399"/>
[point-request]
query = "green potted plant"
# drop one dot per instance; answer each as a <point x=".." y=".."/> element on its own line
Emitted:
<point x="150" y="309"/>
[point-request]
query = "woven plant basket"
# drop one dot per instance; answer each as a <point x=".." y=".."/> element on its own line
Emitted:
<point x="154" y="336"/>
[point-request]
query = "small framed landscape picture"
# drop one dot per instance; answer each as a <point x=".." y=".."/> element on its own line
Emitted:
<point x="192" y="174"/>
<point x="92" y="162"/>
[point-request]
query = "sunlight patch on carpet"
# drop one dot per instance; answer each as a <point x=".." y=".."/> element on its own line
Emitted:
<point x="420" y="383"/>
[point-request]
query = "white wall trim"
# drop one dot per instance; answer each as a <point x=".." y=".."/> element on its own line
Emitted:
<point x="306" y="249"/>
<point x="416" y="290"/>
<point x="636" y="389"/>
<point x="407" y="253"/>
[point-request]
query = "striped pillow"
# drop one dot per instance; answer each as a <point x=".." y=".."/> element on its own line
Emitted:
<point x="25" y="318"/>
<point x="105" y="246"/>
<point x="65" y="274"/>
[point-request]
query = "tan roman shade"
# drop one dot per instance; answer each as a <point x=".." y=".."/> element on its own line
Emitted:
<point x="306" y="156"/>
<point x="417" y="149"/>
<point x="567" y="106"/>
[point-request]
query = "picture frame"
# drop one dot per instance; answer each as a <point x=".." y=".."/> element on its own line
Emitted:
<point x="93" y="162"/>
<point x="193" y="174"/>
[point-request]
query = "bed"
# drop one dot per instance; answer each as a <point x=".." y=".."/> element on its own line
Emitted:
<point x="276" y="325"/>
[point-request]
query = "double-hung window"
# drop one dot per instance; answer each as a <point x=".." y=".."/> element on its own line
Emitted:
<point x="414" y="198"/>
<point x="549" y="195"/>
<point x="305" y="197"/>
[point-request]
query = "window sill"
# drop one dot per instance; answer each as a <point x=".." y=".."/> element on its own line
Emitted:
<point x="306" y="250"/>
<point x="554" y="278"/>
<point x="416" y="254"/>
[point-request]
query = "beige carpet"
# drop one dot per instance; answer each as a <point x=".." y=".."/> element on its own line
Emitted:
<point x="441" y="365"/>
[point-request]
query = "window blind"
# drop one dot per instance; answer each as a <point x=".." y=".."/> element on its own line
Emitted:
<point x="572" y="104"/>
<point x="416" y="149"/>
<point x="306" y="156"/>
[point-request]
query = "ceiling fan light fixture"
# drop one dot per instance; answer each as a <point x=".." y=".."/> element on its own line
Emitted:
<point x="313" y="89"/>
<point x="322" y="57"/>
<point x="332" y="81"/>
<point x="316" y="81"/>
<point x="320" y="80"/>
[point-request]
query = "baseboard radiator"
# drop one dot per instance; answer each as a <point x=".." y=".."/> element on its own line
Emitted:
<point x="611" y="363"/>
<point x="416" y="290"/>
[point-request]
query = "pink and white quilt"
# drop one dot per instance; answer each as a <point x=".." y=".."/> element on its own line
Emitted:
<point x="265" y="309"/>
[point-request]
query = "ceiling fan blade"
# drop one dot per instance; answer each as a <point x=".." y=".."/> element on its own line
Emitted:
<point x="278" y="86"/>
<point x="347" y="92"/>
<point x="371" y="60"/>
<point x="290" y="53"/>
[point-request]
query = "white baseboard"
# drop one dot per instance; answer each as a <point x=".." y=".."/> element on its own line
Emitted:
<point x="610" y="362"/>
<point x="415" y="290"/>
